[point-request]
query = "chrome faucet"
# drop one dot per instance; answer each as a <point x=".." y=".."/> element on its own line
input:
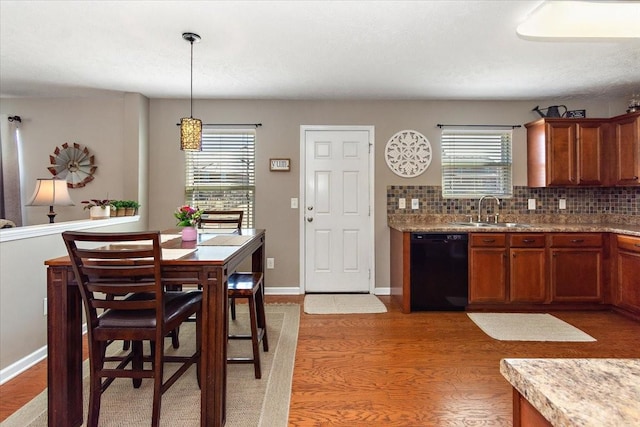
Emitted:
<point x="480" y="207"/>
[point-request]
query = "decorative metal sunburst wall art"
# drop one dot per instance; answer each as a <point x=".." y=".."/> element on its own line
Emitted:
<point x="73" y="164"/>
<point x="408" y="153"/>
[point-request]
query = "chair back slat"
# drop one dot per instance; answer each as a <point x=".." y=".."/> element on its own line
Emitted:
<point x="221" y="219"/>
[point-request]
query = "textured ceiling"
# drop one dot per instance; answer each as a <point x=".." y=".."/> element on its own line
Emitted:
<point x="301" y="50"/>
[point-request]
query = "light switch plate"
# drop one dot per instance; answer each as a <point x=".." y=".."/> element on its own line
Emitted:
<point x="402" y="203"/>
<point x="415" y="203"/>
<point x="562" y="204"/>
<point x="271" y="263"/>
<point x="532" y="204"/>
<point x="294" y="203"/>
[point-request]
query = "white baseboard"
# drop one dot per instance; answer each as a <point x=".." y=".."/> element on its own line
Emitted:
<point x="282" y="291"/>
<point x="22" y="365"/>
<point x="297" y="291"/>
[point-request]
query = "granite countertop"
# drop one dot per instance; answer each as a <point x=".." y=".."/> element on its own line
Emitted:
<point x="550" y="224"/>
<point x="579" y="392"/>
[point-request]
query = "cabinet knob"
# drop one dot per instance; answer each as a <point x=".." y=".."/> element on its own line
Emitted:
<point x="577" y="240"/>
<point x="488" y="240"/>
<point x="528" y="240"/>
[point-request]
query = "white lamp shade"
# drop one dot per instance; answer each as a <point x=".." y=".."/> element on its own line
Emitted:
<point x="51" y="192"/>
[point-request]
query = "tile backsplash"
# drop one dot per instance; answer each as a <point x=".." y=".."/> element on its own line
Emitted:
<point x="579" y="201"/>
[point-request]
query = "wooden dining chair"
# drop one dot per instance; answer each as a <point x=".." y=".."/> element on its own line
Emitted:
<point x="129" y="264"/>
<point x="250" y="287"/>
<point x="221" y="219"/>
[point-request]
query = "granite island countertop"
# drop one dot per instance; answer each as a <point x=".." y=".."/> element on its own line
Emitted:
<point x="579" y="392"/>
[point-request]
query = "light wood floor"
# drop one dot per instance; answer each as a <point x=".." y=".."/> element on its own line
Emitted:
<point x="419" y="369"/>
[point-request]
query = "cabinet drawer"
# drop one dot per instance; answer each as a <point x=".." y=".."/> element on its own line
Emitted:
<point x="576" y="240"/>
<point x="629" y="243"/>
<point x="488" y="240"/>
<point x="527" y="240"/>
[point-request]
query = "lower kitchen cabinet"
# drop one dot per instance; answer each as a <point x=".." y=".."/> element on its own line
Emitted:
<point x="627" y="273"/>
<point x="507" y="268"/>
<point x="576" y="267"/>
<point x="527" y="272"/>
<point x="487" y="268"/>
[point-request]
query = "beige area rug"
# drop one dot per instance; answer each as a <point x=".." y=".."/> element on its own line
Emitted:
<point x="528" y="327"/>
<point x="343" y="304"/>
<point x="250" y="402"/>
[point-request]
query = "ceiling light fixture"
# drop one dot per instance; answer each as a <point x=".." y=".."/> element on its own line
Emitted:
<point x="582" y="19"/>
<point x="190" y="128"/>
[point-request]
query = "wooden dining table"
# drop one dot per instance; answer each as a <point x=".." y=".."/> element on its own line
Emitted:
<point x="214" y="259"/>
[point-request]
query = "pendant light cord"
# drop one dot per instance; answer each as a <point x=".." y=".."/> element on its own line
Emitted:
<point x="191" y="113"/>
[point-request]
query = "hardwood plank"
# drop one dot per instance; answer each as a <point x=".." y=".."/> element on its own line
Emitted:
<point x="423" y="368"/>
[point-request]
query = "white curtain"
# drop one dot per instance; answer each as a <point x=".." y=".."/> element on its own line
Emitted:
<point x="11" y="202"/>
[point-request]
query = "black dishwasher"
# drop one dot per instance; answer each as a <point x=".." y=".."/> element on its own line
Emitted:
<point x="439" y="272"/>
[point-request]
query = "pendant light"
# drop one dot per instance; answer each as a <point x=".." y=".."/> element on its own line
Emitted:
<point x="190" y="128"/>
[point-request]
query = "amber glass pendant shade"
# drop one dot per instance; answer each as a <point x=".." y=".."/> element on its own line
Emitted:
<point x="190" y="134"/>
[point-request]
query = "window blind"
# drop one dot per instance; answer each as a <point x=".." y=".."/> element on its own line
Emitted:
<point x="222" y="175"/>
<point x="476" y="162"/>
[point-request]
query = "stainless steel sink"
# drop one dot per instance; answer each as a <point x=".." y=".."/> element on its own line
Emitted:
<point x="512" y="224"/>
<point x="491" y="224"/>
<point x="472" y="224"/>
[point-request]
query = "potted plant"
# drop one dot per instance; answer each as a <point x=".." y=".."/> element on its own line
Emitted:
<point x="98" y="209"/>
<point x="130" y="207"/>
<point x="118" y="207"/>
<point x="188" y="218"/>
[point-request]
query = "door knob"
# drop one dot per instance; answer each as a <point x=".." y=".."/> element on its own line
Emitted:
<point x="309" y="219"/>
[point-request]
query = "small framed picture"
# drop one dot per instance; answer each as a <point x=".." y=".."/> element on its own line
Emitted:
<point x="280" y="165"/>
<point x="576" y="114"/>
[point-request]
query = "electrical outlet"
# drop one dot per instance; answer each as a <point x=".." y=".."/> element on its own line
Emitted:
<point x="402" y="203"/>
<point x="415" y="204"/>
<point x="562" y="204"/>
<point x="532" y="204"/>
<point x="271" y="263"/>
<point x="294" y="203"/>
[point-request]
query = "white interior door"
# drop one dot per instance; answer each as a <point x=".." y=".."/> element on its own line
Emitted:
<point x="338" y="223"/>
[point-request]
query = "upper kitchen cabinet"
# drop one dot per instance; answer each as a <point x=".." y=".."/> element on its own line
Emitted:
<point x="566" y="152"/>
<point x="625" y="135"/>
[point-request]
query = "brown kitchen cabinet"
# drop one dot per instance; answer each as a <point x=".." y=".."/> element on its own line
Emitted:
<point x="488" y="268"/>
<point x="576" y="267"/>
<point x="507" y="268"/>
<point x="625" y="135"/>
<point x="627" y="273"/>
<point x="566" y="152"/>
<point x="527" y="268"/>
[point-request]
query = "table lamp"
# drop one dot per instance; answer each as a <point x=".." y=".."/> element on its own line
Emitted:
<point x="51" y="192"/>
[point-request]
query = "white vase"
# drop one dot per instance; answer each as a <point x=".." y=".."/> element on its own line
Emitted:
<point x="100" y="212"/>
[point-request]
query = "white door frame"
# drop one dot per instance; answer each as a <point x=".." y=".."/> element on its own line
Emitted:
<point x="302" y="203"/>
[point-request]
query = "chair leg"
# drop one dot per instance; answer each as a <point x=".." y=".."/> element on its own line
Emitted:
<point x="96" y="362"/>
<point x="262" y="320"/>
<point x="175" y="340"/>
<point x="137" y="363"/>
<point x="198" y="346"/>
<point x="158" y="367"/>
<point x="232" y="304"/>
<point x="254" y="337"/>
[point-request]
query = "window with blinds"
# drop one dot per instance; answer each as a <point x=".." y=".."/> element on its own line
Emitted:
<point x="476" y="162"/>
<point x="222" y="175"/>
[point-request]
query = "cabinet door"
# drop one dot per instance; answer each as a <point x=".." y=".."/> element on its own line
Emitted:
<point x="487" y="275"/>
<point x="590" y="155"/>
<point x="561" y="153"/>
<point x="628" y="264"/>
<point x="626" y="133"/>
<point x="576" y="274"/>
<point x="527" y="281"/>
